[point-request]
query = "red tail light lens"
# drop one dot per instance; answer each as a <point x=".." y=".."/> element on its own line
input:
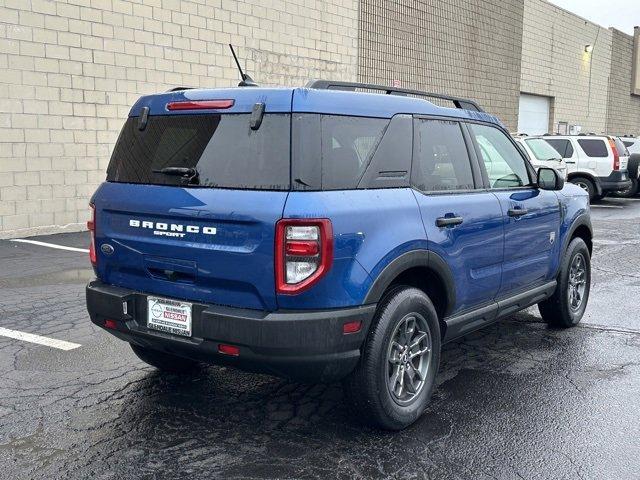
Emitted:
<point x="91" y="226"/>
<point x="304" y="253"/>
<point x="616" y="155"/>
<point x="201" y="105"/>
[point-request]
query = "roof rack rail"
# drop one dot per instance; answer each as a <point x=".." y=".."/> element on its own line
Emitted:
<point x="463" y="103"/>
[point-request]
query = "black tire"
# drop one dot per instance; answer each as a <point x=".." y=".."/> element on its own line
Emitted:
<point x="557" y="311"/>
<point x="165" y="361"/>
<point x="367" y="387"/>
<point x="629" y="192"/>
<point x="587" y="185"/>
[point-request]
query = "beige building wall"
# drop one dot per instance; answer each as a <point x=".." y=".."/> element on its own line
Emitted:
<point x="70" y="71"/>
<point x="460" y="47"/>
<point x="623" y="114"/>
<point x="555" y="64"/>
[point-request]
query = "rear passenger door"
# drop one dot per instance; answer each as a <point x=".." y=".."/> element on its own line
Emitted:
<point x="531" y="216"/>
<point x="463" y="223"/>
<point x="564" y="147"/>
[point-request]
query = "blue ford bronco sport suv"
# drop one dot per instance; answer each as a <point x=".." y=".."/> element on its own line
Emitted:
<point x="338" y="231"/>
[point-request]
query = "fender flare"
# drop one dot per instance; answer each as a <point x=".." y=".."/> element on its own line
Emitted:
<point x="581" y="220"/>
<point x="415" y="258"/>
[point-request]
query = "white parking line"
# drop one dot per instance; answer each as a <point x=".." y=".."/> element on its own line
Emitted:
<point x="51" y="245"/>
<point x="607" y="206"/>
<point x="30" y="337"/>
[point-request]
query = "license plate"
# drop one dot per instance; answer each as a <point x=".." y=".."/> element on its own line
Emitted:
<point x="169" y="316"/>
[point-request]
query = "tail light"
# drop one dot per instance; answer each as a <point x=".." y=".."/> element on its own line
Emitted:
<point x="304" y="253"/>
<point x="616" y="155"/>
<point x="91" y="226"/>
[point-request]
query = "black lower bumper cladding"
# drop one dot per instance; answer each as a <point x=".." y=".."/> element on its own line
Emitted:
<point x="298" y="345"/>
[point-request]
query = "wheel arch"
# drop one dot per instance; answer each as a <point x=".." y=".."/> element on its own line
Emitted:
<point x="424" y="270"/>
<point x="588" y="176"/>
<point x="581" y="228"/>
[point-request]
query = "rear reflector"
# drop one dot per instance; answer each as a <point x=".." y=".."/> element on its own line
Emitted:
<point x="201" y="105"/>
<point x="351" y="327"/>
<point x="229" y="349"/>
<point x="112" y="324"/>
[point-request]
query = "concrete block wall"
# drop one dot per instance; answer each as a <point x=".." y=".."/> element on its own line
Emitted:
<point x="623" y="109"/>
<point x="555" y="64"/>
<point x="459" y="47"/>
<point x="71" y="69"/>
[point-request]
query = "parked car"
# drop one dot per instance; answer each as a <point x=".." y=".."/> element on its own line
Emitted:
<point x="321" y="234"/>
<point x="632" y="144"/>
<point x="541" y="154"/>
<point x="596" y="163"/>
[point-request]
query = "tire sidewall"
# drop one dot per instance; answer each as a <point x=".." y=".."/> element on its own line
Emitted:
<point x="403" y="302"/>
<point x="576" y="246"/>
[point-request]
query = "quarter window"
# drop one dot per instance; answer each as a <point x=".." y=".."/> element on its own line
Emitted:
<point x="441" y="161"/>
<point x="593" y="147"/>
<point x="503" y="162"/>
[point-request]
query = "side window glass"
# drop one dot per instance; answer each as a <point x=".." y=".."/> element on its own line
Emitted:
<point x="562" y="146"/>
<point x="441" y="161"/>
<point x="593" y="147"/>
<point x="504" y="165"/>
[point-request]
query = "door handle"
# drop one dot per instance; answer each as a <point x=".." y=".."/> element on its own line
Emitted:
<point x="448" y="221"/>
<point x="517" y="212"/>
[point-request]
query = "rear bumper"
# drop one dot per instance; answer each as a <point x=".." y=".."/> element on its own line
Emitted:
<point x="615" y="181"/>
<point x="299" y="345"/>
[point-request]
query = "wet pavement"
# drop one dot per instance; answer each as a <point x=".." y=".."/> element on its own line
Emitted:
<point x="515" y="400"/>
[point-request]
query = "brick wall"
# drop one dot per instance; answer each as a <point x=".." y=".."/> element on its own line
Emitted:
<point x="623" y="113"/>
<point x="460" y="47"/>
<point x="70" y="70"/>
<point x="555" y="64"/>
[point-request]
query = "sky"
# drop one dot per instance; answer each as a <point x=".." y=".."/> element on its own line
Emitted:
<point x="621" y="14"/>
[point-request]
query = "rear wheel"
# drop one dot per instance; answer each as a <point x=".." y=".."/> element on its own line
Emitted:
<point x="587" y="185"/>
<point x="566" y="306"/>
<point x="164" y="361"/>
<point x="392" y="384"/>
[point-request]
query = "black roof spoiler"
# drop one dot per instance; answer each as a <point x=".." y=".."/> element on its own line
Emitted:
<point x="463" y="103"/>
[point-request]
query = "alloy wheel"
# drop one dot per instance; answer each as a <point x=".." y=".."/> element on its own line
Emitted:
<point x="577" y="282"/>
<point x="408" y="358"/>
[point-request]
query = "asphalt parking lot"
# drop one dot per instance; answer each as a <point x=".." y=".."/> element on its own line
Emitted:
<point x="516" y="400"/>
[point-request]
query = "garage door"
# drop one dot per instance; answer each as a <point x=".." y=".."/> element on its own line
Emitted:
<point x="533" y="117"/>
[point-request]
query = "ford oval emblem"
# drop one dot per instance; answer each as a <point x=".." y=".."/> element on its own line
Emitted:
<point x="106" y="249"/>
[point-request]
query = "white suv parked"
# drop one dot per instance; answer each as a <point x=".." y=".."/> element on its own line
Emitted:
<point x="632" y="144"/>
<point x="597" y="163"/>
<point x="541" y="153"/>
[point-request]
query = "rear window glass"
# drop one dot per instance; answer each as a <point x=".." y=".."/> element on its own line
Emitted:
<point x="562" y="146"/>
<point x="593" y="147"/>
<point x="332" y="152"/>
<point x="541" y="149"/>
<point x="223" y="149"/>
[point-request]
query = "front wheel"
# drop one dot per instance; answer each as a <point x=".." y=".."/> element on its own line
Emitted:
<point x="392" y="384"/>
<point x="566" y="306"/>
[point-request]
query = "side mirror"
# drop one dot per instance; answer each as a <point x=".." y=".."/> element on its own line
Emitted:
<point x="549" y="179"/>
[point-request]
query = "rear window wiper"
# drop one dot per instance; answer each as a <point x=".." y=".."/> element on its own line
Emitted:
<point x="189" y="174"/>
